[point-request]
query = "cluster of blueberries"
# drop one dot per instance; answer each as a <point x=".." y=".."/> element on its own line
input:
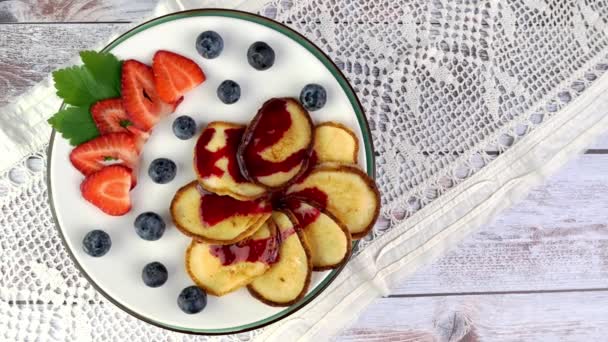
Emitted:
<point x="260" y="56"/>
<point x="150" y="226"/>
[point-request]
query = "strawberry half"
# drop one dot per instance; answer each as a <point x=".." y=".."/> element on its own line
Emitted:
<point x="108" y="189"/>
<point x="174" y="75"/>
<point x="95" y="154"/>
<point x="110" y="116"/>
<point x="140" y="98"/>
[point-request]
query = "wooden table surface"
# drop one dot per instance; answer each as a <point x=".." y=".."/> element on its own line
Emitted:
<point x="539" y="273"/>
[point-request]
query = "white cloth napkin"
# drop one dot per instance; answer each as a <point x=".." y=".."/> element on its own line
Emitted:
<point x="23" y="126"/>
<point x="401" y="250"/>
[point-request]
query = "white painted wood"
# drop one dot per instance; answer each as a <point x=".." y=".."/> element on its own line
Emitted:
<point x="28" y="53"/>
<point x="557" y="238"/>
<point x="516" y="317"/>
<point x="74" y="10"/>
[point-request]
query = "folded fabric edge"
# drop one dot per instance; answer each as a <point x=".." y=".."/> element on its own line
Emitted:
<point x="429" y="234"/>
<point x="170" y="6"/>
<point x="24" y="129"/>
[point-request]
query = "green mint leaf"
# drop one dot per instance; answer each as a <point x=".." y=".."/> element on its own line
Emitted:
<point x="105" y="68"/>
<point x="82" y="86"/>
<point x="75" y="124"/>
<point x="75" y="85"/>
<point x="97" y="79"/>
<point x="125" y="123"/>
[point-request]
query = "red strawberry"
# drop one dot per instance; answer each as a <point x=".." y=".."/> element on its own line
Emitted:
<point x="108" y="189"/>
<point x="174" y="75"/>
<point x="140" y="137"/>
<point x="95" y="154"/>
<point x="110" y="116"/>
<point x="139" y="96"/>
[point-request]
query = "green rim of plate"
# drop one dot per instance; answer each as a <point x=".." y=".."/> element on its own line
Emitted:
<point x="363" y="124"/>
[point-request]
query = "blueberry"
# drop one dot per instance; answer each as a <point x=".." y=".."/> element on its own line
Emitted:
<point x="96" y="243"/>
<point x="192" y="300"/>
<point x="149" y="226"/>
<point x="229" y="92"/>
<point x="209" y="44"/>
<point x="162" y="170"/>
<point x="184" y="127"/>
<point x="260" y="56"/>
<point x="313" y="97"/>
<point x="154" y="274"/>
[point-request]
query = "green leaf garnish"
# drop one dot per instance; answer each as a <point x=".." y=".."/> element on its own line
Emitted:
<point x="74" y="85"/>
<point x="125" y="123"/>
<point x="82" y="86"/>
<point x="104" y="67"/>
<point x="75" y="124"/>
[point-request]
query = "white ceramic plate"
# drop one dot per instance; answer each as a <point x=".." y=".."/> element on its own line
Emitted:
<point x="117" y="275"/>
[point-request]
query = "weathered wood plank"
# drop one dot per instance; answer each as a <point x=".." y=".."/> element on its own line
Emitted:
<point x="557" y="238"/>
<point x="515" y="317"/>
<point x="28" y="53"/>
<point x="74" y="10"/>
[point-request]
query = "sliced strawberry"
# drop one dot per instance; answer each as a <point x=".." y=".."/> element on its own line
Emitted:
<point x="134" y="173"/>
<point x="174" y="75"/>
<point x="110" y="116"/>
<point x="108" y="189"/>
<point x="140" y="137"/>
<point x="95" y="154"/>
<point x="140" y="99"/>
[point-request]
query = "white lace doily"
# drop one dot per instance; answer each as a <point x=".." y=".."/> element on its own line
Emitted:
<point x="448" y="86"/>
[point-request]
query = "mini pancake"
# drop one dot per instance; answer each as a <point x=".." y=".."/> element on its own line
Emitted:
<point x="221" y="269"/>
<point x="288" y="279"/>
<point x="216" y="219"/>
<point x="329" y="240"/>
<point x="344" y="191"/>
<point x="334" y="142"/>
<point x="277" y="144"/>
<point x="216" y="165"/>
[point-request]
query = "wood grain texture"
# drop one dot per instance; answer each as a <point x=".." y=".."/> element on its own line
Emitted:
<point x="28" y="53"/>
<point x="74" y="10"/>
<point x="515" y="317"/>
<point x="557" y="238"/>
